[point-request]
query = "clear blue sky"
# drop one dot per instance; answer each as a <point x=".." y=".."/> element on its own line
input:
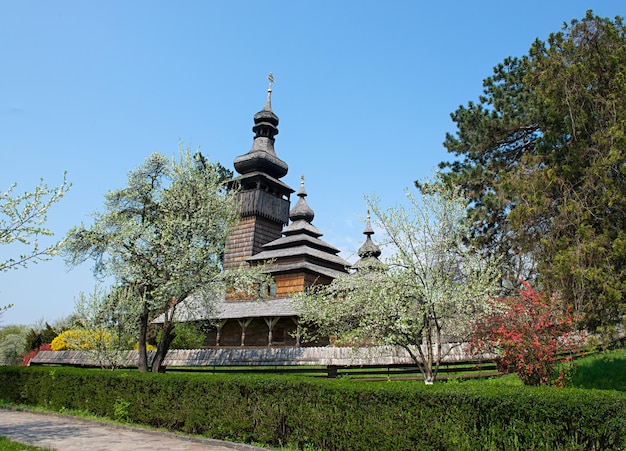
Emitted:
<point x="364" y="91"/>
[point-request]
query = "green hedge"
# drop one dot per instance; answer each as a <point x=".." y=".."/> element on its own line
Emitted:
<point x="333" y="414"/>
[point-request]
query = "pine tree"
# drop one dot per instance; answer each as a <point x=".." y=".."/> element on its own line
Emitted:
<point x="541" y="158"/>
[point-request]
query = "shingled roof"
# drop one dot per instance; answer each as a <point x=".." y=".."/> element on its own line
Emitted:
<point x="301" y="248"/>
<point x="192" y="309"/>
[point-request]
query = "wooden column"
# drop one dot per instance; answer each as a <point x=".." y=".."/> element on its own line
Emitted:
<point x="244" y="323"/>
<point x="218" y="336"/>
<point x="271" y="322"/>
<point x="297" y="323"/>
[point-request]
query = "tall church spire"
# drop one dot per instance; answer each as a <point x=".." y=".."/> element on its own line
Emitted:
<point x="268" y="101"/>
<point x="264" y="199"/>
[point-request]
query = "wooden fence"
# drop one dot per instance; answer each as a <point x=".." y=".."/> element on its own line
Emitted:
<point x="373" y="362"/>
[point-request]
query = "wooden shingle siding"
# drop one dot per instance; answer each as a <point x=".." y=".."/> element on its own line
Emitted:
<point x="289" y="283"/>
<point x="256" y="202"/>
<point x="264" y="232"/>
<point x="239" y="243"/>
<point x="248" y="238"/>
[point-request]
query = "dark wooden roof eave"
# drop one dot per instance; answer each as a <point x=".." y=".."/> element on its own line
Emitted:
<point x="261" y="175"/>
<point x="307" y="267"/>
<point x="287" y="242"/>
<point x="298" y="251"/>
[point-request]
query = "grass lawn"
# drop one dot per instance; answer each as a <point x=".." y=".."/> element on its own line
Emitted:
<point x="603" y="371"/>
<point x="9" y="445"/>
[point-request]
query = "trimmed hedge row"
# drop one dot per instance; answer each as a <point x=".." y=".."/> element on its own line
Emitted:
<point x="333" y="414"/>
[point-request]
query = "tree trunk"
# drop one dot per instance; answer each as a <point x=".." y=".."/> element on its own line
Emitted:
<point x="429" y="375"/>
<point x="421" y="360"/>
<point x="162" y="347"/>
<point x="142" y="364"/>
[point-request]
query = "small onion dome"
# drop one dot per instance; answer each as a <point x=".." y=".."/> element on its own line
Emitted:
<point x="301" y="210"/>
<point x="369" y="249"/>
<point x="369" y="252"/>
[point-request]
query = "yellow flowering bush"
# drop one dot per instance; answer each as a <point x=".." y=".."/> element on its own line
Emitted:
<point x="149" y="347"/>
<point x="83" y="340"/>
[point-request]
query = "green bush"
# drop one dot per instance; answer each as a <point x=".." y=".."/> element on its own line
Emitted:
<point x="12" y="348"/>
<point x="333" y="414"/>
<point x="186" y="336"/>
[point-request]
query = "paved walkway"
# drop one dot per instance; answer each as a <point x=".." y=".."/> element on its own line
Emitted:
<point x="66" y="433"/>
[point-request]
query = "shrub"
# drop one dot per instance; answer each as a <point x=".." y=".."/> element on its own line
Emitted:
<point x="83" y="340"/>
<point x="333" y="414"/>
<point x="528" y="334"/>
<point x="12" y="347"/>
<point x="149" y="347"/>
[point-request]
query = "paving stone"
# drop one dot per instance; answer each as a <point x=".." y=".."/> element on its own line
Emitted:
<point x="67" y="433"/>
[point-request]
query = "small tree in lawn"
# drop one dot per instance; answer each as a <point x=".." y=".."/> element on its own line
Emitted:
<point x="161" y="238"/>
<point x="529" y="335"/>
<point x="109" y="319"/>
<point x="426" y="296"/>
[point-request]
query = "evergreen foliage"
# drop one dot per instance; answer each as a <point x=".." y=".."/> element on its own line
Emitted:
<point x="40" y="334"/>
<point x="541" y="158"/>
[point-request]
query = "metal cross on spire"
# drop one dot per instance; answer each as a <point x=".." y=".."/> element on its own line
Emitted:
<point x="268" y="101"/>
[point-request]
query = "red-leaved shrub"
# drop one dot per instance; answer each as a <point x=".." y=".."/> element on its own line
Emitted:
<point x="529" y="334"/>
<point x="26" y="358"/>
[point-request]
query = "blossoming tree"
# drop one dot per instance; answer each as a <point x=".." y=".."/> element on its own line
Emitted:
<point x="426" y="296"/>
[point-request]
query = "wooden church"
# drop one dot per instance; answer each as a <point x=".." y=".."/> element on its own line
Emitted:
<point x="271" y="230"/>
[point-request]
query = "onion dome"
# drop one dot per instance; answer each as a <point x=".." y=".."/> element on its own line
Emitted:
<point x="301" y="210"/>
<point x="369" y="252"/>
<point x="262" y="157"/>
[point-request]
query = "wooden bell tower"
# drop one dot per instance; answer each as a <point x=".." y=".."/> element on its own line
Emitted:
<point x="264" y="199"/>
